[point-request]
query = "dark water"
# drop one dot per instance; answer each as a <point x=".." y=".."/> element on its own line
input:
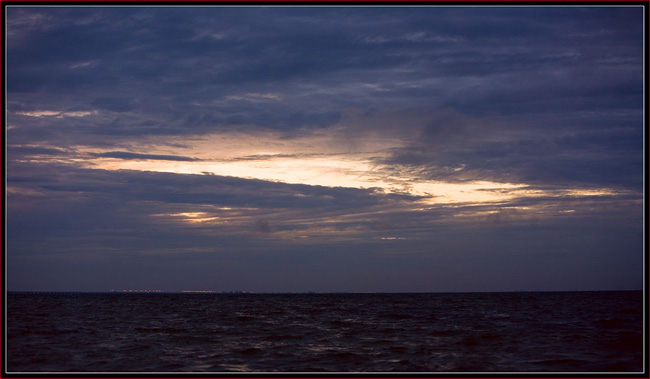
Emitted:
<point x="453" y="332"/>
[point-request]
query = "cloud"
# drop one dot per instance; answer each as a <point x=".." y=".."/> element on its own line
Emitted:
<point x="58" y="114"/>
<point x="450" y="146"/>
<point x="31" y="151"/>
<point x="115" y="104"/>
<point x="128" y="155"/>
<point x="263" y="226"/>
<point x="327" y="64"/>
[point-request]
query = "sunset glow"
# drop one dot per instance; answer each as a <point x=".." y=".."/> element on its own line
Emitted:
<point x="334" y="170"/>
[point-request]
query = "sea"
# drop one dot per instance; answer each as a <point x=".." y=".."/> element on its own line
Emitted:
<point x="518" y="332"/>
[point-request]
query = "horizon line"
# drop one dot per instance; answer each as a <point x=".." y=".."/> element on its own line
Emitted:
<point x="210" y="292"/>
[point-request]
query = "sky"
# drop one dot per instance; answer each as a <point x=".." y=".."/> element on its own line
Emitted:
<point x="327" y="149"/>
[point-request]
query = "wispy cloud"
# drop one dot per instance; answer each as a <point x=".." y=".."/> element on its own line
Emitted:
<point x="57" y="114"/>
<point x="127" y="155"/>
